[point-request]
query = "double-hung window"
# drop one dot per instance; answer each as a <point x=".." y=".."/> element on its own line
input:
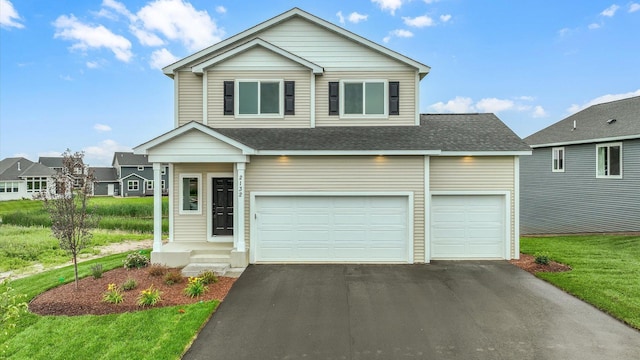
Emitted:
<point x="190" y="193"/>
<point x="609" y="160"/>
<point x="133" y="185"/>
<point x="363" y="98"/>
<point x="149" y="184"/>
<point x="557" y="159"/>
<point x="259" y="98"/>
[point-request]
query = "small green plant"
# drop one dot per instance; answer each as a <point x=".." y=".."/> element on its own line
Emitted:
<point x="149" y="297"/>
<point x="157" y="269"/>
<point x="195" y="287"/>
<point x="208" y="277"/>
<point x="12" y="306"/>
<point x="136" y="260"/>
<point x="130" y="284"/>
<point x="542" y="258"/>
<point x="97" y="271"/>
<point x="172" y="277"/>
<point x="113" y="295"/>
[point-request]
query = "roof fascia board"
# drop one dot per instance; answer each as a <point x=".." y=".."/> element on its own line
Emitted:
<point x="199" y="69"/>
<point x="136" y="175"/>
<point x="587" y="141"/>
<point x="486" y="153"/>
<point x="347" y="152"/>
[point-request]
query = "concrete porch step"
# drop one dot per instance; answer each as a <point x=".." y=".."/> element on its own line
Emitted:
<point x="209" y="258"/>
<point x="220" y="269"/>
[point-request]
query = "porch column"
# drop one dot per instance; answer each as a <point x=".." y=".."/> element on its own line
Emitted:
<point x="238" y="239"/>
<point x="157" y="206"/>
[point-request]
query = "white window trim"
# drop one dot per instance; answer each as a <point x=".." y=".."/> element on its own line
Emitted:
<point x="10" y="186"/>
<point x="149" y="185"/>
<point x="140" y="168"/>
<point x="554" y="151"/>
<point x="132" y="182"/>
<point x="598" y="146"/>
<point x="385" y="98"/>
<point x="32" y="180"/>
<point x="162" y="184"/>
<point x="181" y="191"/>
<point x="236" y="99"/>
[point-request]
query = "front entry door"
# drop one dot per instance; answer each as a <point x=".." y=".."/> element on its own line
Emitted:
<point x="222" y="206"/>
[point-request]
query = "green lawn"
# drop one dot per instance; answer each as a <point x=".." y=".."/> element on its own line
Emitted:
<point x="162" y="333"/>
<point x="606" y="270"/>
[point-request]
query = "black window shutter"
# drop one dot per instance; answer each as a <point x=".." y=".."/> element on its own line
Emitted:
<point x="334" y="98"/>
<point x="228" y="97"/>
<point x="289" y="97"/>
<point x="394" y="98"/>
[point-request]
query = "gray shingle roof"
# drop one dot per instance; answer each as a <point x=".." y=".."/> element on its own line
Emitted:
<point x="591" y="123"/>
<point x="9" y="169"/>
<point x="446" y="132"/>
<point x="51" y="161"/>
<point x="130" y="159"/>
<point x="104" y="174"/>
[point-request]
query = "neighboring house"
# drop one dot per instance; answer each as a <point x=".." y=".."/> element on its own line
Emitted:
<point x="135" y="174"/>
<point x="22" y="178"/>
<point x="584" y="175"/>
<point x="56" y="163"/>
<point x="106" y="181"/>
<point x="297" y="141"/>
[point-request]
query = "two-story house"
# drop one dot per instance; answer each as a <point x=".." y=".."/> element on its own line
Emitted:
<point x="297" y="141"/>
<point x="584" y="174"/>
<point x="135" y="175"/>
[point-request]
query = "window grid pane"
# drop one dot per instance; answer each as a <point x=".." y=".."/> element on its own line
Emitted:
<point x="269" y="98"/>
<point x="248" y="98"/>
<point x="614" y="160"/>
<point x="374" y="100"/>
<point x="353" y="98"/>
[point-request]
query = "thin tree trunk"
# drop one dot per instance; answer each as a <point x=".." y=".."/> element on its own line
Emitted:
<point x="75" y="268"/>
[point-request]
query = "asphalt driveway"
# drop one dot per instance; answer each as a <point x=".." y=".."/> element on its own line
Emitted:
<point x="445" y="310"/>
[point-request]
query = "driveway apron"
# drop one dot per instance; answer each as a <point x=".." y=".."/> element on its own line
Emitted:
<point x="443" y="310"/>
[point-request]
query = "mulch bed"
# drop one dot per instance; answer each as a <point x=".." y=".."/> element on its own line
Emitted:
<point x="87" y="299"/>
<point x="528" y="263"/>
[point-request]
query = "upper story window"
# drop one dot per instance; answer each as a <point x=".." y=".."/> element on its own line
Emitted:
<point x="609" y="160"/>
<point x="259" y="97"/>
<point x="140" y="168"/>
<point x="557" y="155"/>
<point x="363" y="98"/>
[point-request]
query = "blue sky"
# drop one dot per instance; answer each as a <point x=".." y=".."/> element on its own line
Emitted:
<point x="85" y="75"/>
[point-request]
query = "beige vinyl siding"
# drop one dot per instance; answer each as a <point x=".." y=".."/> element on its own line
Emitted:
<point x="195" y="143"/>
<point x="189" y="97"/>
<point x="407" y="115"/>
<point x="471" y="173"/>
<point x="258" y="58"/>
<point x="215" y="105"/>
<point x="341" y="174"/>
<point x="193" y="227"/>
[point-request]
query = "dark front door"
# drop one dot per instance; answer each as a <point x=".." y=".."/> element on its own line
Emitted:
<point x="222" y="206"/>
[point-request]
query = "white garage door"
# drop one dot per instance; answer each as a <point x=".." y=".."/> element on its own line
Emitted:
<point x="331" y="229"/>
<point x="467" y="226"/>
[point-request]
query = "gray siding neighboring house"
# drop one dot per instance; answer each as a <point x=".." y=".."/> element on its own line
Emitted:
<point x="23" y="178"/>
<point x="135" y="174"/>
<point x="106" y="181"/>
<point x="584" y="174"/>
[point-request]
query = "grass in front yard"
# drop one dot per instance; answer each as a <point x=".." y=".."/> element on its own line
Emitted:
<point x="606" y="270"/>
<point x="161" y="333"/>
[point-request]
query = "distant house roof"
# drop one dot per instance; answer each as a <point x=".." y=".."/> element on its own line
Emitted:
<point x="18" y="168"/>
<point x="130" y="159"/>
<point x="104" y="174"/>
<point x="616" y="120"/>
<point x="51" y="161"/>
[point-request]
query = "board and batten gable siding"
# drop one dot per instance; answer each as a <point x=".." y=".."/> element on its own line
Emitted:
<point x="189" y="97"/>
<point x="215" y="96"/>
<point x="575" y="201"/>
<point x="408" y="104"/>
<point x="475" y="173"/>
<point x="193" y="227"/>
<point x="340" y="174"/>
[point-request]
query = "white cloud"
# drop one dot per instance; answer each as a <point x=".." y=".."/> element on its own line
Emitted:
<point x="539" y="112"/>
<point x="610" y="11"/>
<point x="355" y="17"/>
<point x="430" y="1"/>
<point x="594" y="26"/>
<point x="146" y="38"/>
<point x="457" y="105"/>
<point x="86" y="36"/>
<point x="445" y="18"/>
<point x="102" y="127"/>
<point x="221" y="9"/>
<point x="602" y="99"/>
<point x="102" y="154"/>
<point x="93" y="64"/>
<point x="633" y="7"/>
<point x="161" y="58"/>
<point x="494" y="105"/>
<point x="419" y="21"/>
<point x="66" y="77"/>
<point x="525" y="98"/>
<point x="180" y="21"/>
<point x="9" y="17"/>
<point x="389" y="5"/>
<point x="340" y="17"/>
<point x="397" y="33"/>
<point x="491" y="105"/>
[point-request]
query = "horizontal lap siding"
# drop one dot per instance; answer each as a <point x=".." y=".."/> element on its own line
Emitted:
<point x="189" y="97"/>
<point x="341" y="174"/>
<point x="215" y="92"/>
<point x="475" y="173"/>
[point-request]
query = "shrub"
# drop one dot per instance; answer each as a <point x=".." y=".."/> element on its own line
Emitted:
<point x="157" y="270"/>
<point x="113" y="295"/>
<point x="97" y="271"/>
<point x="542" y="258"/>
<point x="149" y="297"/>
<point x="136" y="260"/>
<point x="172" y="277"/>
<point x="195" y="287"/>
<point x="130" y="284"/>
<point x="208" y="277"/>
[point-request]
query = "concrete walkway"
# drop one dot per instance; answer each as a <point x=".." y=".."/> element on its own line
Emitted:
<point x="446" y="310"/>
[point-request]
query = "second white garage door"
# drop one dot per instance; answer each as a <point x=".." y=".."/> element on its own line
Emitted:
<point x="338" y="229"/>
<point x="468" y="226"/>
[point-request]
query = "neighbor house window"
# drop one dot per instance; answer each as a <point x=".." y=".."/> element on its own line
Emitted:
<point x="9" y="186"/>
<point x="163" y="185"/>
<point x="140" y="168"/>
<point x="150" y="185"/>
<point x="259" y="97"/>
<point x="557" y="159"/>
<point x="190" y="194"/>
<point x="133" y="185"/>
<point x="609" y="160"/>
<point x="36" y="184"/>
<point x="363" y="98"/>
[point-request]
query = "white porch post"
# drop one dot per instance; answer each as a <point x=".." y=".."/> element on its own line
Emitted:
<point x="157" y="206"/>
<point x="238" y="239"/>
